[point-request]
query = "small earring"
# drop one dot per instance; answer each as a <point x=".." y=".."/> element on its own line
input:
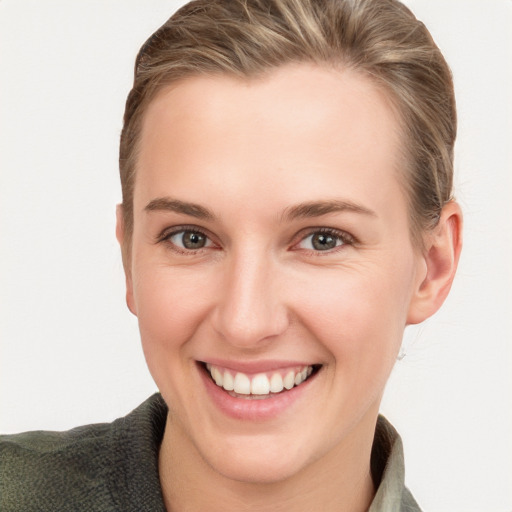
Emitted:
<point x="402" y="353"/>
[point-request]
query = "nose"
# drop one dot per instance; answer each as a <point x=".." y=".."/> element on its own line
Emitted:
<point x="250" y="311"/>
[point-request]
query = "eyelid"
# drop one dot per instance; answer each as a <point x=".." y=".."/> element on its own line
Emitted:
<point x="172" y="230"/>
<point x="344" y="236"/>
<point x="165" y="235"/>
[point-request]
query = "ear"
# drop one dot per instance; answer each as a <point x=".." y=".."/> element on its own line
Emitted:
<point x="122" y="238"/>
<point x="440" y="260"/>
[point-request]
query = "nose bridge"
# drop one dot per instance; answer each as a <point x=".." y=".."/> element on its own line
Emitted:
<point x="250" y="309"/>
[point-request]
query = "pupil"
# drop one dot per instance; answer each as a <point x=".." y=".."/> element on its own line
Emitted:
<point x="323" y="242"/>
<point x="193" y="240"/>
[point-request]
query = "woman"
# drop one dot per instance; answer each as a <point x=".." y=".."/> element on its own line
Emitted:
<point x="287" y="175"/>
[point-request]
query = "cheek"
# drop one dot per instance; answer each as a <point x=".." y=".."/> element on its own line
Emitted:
<point x="170" y="307"/>
<point x="358" y="316"/>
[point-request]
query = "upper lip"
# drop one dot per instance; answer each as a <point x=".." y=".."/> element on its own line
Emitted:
<point x="256" y="366"/>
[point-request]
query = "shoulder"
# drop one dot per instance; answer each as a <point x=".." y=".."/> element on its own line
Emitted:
<point x="388" y="472"/>
<point x="80" y="469"/>
<point x="50" y="470"/>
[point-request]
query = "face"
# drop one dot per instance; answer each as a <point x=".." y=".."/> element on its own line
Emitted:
<point x="272" y="268"/>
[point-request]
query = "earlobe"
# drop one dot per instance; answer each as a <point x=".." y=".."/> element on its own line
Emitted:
<point x="121" y="238"/>
<point x="441" y="257"/>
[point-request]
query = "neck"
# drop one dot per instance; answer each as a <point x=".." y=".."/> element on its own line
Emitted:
<point x="339" y="481"/>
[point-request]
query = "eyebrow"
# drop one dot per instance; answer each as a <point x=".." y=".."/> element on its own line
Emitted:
<point x="177" y="206"/>
<point x="319" y="208"/>
<point x="300" y="211"/>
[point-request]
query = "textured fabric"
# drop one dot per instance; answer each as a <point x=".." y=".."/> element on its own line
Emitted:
<point x="105" y="467"/>
<point x="114" y="467"/>
<point x="388" y="472"/>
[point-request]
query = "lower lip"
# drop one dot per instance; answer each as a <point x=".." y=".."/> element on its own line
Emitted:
<point x="253" y="409"/>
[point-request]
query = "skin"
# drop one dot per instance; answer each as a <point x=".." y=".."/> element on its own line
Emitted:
<point x="249" y="152"/>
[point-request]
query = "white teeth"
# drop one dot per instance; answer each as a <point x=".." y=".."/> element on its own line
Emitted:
<point x="242" y="384"/>
<point x="260" y="384"/>
<point x="229" y="383"/>
<point x="276" y="383"/>
<point x="217" y="376"/>
<point x="289" y="380"/>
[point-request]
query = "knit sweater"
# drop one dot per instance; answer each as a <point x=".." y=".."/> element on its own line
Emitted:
<point x="114" y="467"/>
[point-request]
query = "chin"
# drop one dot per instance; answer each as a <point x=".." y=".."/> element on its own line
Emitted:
<point x="258" y="461"/>
<point x="262" y="472"/>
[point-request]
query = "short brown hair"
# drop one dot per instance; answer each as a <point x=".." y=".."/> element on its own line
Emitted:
<point x="380" y="38"/>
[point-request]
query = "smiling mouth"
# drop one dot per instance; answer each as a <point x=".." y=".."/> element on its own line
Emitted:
<point x="260" y="385"/>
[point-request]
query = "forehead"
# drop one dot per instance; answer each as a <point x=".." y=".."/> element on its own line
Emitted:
<point x="312" y="124"/>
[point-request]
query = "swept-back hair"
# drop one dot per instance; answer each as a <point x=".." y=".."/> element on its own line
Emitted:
<point x="381" y="39"/>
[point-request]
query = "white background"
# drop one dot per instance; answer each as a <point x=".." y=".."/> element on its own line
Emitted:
<point x="69" y="348"/>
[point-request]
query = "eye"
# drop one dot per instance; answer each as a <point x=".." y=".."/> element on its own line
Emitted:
<point x="188" y="239"/>
<point x="324" y="240"/>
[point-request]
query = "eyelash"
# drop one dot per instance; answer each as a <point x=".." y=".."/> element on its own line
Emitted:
<point x="166" y="235"/>
<point x="343" y="236"/>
